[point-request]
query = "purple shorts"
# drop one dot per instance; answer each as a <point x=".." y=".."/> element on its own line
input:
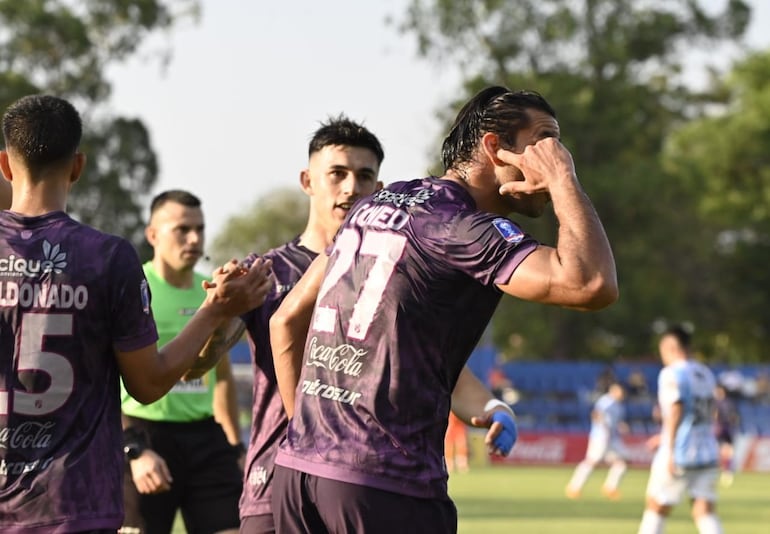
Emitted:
<point x="257" y="524"/>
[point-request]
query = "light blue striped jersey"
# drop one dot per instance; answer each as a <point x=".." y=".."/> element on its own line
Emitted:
<point x="691" y="384"/>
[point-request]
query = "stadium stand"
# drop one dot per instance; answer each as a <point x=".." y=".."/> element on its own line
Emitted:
<point x="557" y="396"/>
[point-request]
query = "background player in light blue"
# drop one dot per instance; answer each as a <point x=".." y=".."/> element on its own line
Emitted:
<point x="687" y="457"/>
<point x="604" y="444"/>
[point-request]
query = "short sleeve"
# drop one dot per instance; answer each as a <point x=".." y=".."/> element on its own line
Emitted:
<point x="132" y="323"/>
<point x="486" y="247"/>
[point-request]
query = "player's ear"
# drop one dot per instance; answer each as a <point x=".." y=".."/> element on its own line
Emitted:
<point x="379" y="185"/>
<point x="150" y="233"/>
<point x="78" y="163"/>
<point x="490" y="144"/>
<point x="304" y="181"/>
<point x="5" y="165"/>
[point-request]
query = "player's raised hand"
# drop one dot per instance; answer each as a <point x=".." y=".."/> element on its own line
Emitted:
<point x="541" y="165"/>
<point x="237" y="288"/>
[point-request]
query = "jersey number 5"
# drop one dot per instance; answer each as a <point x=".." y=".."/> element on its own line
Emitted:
<point x="31" y="357"/>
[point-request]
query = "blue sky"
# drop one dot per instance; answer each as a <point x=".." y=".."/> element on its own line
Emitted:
<point x="232" y="134"/>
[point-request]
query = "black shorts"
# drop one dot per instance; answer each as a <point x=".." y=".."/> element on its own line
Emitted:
<point x="309" y="504"/>
<point x="725" y="436"/>
<point x="207" y="480"/>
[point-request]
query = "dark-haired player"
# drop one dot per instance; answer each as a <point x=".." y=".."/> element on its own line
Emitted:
<point x="344" y="161"/>
<point x="687" y="458"/>
<point x="369" y="345"/>
<point x="74" y="317"/>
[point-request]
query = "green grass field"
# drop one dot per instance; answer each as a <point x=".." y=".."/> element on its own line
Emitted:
<point x="501" y="500"/>
<point x="530" y="500"/>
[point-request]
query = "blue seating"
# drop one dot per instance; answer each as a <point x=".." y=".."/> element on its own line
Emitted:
<point x="559" y="395"/>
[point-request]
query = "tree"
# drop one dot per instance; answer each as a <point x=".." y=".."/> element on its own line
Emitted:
<point x="64" y="47"/>
<point x="274" y="219"/>
<point x="613" y="70"/>
<point x="726" y="156"/>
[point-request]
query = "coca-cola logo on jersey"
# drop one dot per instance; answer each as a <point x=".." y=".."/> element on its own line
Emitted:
<point x="28" y="435"/>
<point x="344" y="358"/>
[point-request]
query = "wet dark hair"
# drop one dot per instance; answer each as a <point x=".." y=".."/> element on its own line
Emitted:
<point x="495" y="110"/>
<point x="342" y="131"/>
<point x="179" y="196"/>
<point x="44" y="130"/>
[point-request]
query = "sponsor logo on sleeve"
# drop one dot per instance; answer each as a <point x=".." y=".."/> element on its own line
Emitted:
<point x="508" y="230"/>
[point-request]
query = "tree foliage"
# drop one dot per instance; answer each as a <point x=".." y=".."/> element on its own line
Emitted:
<point x="63" y="47"/>
<point x="726" y="158"/>
<point x="613" y="69"/>
<point x="274" y="219"/>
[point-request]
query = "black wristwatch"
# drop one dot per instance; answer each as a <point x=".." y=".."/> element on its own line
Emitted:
<point x="133" y="450"/>
<point x="134" y="443"/>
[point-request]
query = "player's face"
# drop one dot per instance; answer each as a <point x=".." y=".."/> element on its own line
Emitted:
<point x="542" y="125"/>
<point x="669" y="349"/>
<point x="176" y="235"/>
<point x="336" y="177"/>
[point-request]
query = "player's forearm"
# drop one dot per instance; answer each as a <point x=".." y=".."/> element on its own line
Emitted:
<point x="584" y="252"/>
<point x="219" y="344"/>
<point x="179" y="354"/>
<point x="289" y="327"/>
<point x="470" y="396"/>
<point x="287" y="339"/>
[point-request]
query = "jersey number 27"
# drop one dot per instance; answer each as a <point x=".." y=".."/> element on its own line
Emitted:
<point x="387" y="248"/>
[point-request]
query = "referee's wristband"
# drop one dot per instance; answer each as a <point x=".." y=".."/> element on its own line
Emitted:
<point x="495" y="403"/>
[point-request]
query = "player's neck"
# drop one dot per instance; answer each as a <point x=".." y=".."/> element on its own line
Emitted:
<point x="485" y="196"/>
<point x="42" y="191"/>
<point x="182" y="279"/>
<point x="315" y="238"/>
<point x="38" y="198"/>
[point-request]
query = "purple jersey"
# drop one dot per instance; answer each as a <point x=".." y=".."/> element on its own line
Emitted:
<point x="409" y="289"/>
<point x="69" y="295"/>
<point x="268" y="423"/>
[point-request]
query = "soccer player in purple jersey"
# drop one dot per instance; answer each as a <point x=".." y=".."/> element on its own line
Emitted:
<point x="369" y="344"/>
<point x="344" y="160"/>
<point x="75" y="317"/>
<point x="343" y="164"/>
